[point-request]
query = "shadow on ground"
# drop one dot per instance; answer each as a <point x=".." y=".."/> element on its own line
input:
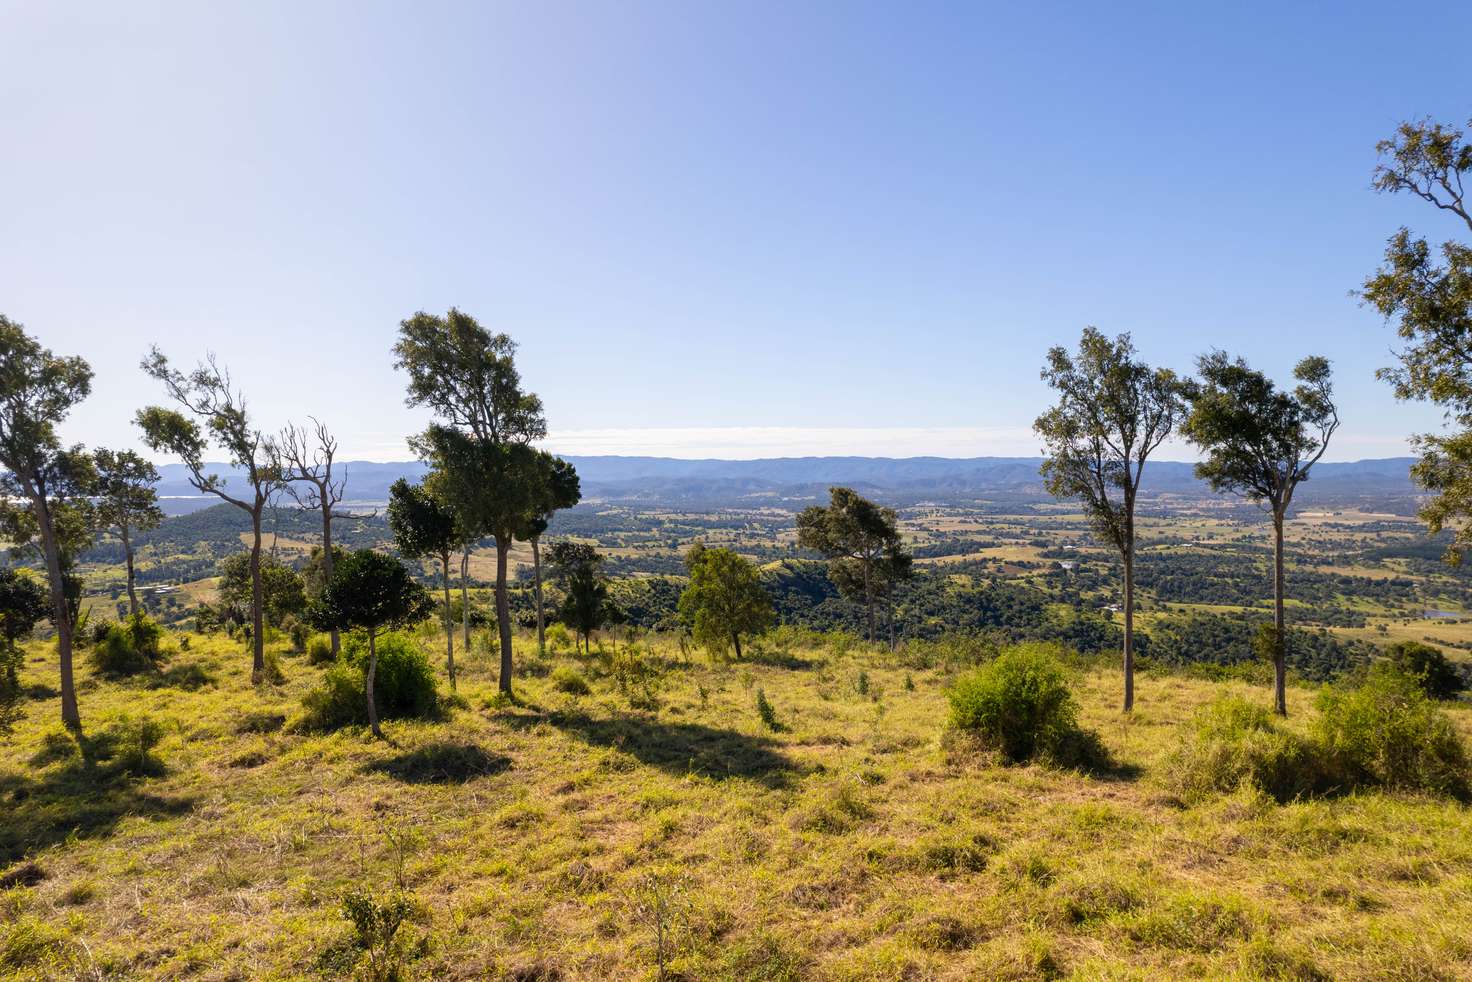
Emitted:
<point x="679" y="748"/>
<point x="441" y="763"/>
<point x="93" y="787"/>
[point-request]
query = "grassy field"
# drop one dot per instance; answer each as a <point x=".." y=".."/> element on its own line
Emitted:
<point x="538" y="838"/>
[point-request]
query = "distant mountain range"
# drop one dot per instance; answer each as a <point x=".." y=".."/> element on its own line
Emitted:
<point x="667" y="480"/>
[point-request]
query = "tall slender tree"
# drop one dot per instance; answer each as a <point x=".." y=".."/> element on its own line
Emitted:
<point x="306" y="468"/>
<point x="37" y="391"/>
<point x="467" y="377"/>
<point x="425" y="527"/>
<point x="851" y="530"/>
<point x="559" y="488"/>
<point x="1261" y="443"/>
<point x="218" y="409"/>
<point x="1113" y="412"/>
<point x="1429" y="296"/>
<point x="585" y="607"/>
<point x="127" y="501"/>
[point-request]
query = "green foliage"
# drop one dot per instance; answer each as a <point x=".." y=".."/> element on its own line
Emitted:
<point x="319" y="650"/>
<point x="1233" y="742"/>
<point x="724" y="599"/>
<point x="766" y="712"/>
<point x="637" y="672"/>
<point x="1019" y="704"/>
<point x="23" y="602"/>
<point x="570" y="680"/>
<point x="578" y="568"/>
<point x="1437" y="676"/>
<point x="558" y="638"/>
<point x="371" y="591"/>
<point x="862" y="543"/>
<point x="130" y="647"/>
<point x="404" y="685"/>
<point x="376" y="921"/>
<point x="283" y="592"/>
<point x="423" y="525"/>
<point x="1388" y="733"/>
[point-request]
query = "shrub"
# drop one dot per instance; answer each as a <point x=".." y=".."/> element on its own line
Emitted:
<point x="299" y="632"/>
<point x="132" y="742"/>
<point x="1234" y="742"/>
<point x="558" y="637"/>
<point x="1388" y="732"/>
<point x="766" y="712"/>
<point x="319" y="650"/>
<point x="1019" y="704"/>
<point x="569" y="680"/>
<point x="129" y="647"/>
<point x="1437" y="676"/>
<point x="404" y="687"/>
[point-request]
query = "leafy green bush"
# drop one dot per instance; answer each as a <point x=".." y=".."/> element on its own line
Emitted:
<point x="129" y="647"/>
<point x="767" y="713"/>
<point x="1437" y="676"/>
<point x="571" y="681"/>
<point x="559" y="638"/>
<point x="319" y="650"/>
<point x="1232" y="742"/>
<point x="1388" y="732"/>
<point x="403" y="688"/>
<point x="1018" y="704"/>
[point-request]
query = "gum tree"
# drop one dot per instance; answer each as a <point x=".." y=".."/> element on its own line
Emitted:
<point x="1428" y="294"/>
<point x="126" y="501"/>
<point x="1261" y="442"/>
<point x="306" y="468"/>
<point x="217" y="412"/>
<point x="724" y="598"/>
<point x="559" y="488"/>
<point x="467" y="377"/>
<point x="1113" y="412"/>
<point x="44" y="481"/>
<point x="851" y="530"/>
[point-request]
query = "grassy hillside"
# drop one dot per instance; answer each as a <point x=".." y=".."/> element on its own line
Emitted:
<point x="557" y="838"/>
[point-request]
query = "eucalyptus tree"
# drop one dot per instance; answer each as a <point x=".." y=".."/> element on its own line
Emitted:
<point x="215" y="411"/>
<point x="43" y="482"/>
<point x="724" y="599"/>
<point x="466" y="376"/>
<point x="1261" y="442"/>
<point x="306" y="468"/>
<point x="559" y="489"/>
<point x="370" y="591"/>
<point x="425" y="527"/>
<point x="127" y="500"/>
<point x="1113" y="412"/>
<point x="1429" y="295"/>
<point x="851" y="530"/>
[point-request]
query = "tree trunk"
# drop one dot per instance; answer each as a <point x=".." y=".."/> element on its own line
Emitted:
<point x="60" y="615"/>
<point x="1129" y="627"/>
<point x="736" y="640"/>
<point x="1280" y="640"/>
<point x="868" y="602"/>
<point x="327" y="560"/>
<point x="465" y="598"/>
<point x="128" y="560"/>
<point x="257" y="604"/>
<point x="449" y="622"/>
<point x="537" y="568"/>
<point x="368" y="684"/>
<point x="503" y="611"/>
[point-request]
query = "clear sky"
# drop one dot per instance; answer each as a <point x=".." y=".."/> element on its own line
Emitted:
<point x="738" y="229"/>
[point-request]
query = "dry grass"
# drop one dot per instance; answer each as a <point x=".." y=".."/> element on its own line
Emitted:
<point x="848" y="844"/>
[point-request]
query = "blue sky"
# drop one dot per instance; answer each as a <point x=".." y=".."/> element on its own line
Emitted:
<point x="734" y="230"/>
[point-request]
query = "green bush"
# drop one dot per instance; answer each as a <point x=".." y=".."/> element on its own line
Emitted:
<point x="319" y="650"/>
<point x="1019" y="704"/>
<point x="129" y="647"/>
<point x="1388" y="732"/>
<point x="569" y="680"/>
<point x="1234" y="742"/>
<point x="403" y="688"/>
<point x="1437" y="676"/>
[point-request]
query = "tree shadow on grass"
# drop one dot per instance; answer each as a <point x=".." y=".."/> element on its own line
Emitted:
<point x="444" y="762"/>
<point x="94" y="788"/>
<point x="679" y="748"/>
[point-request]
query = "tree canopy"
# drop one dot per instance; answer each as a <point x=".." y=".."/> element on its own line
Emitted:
<point x="724" y="599"/>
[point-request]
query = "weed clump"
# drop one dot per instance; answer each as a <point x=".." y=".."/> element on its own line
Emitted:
<point x="1019" y="704"/>
<point x="404" y="687"/>
<point x="319" y="650"/>
<point x="1388" y="732"/>
<point x="570" y="681"/>
<point x="129" y="647"/>
<point x="1234" y="742"/>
